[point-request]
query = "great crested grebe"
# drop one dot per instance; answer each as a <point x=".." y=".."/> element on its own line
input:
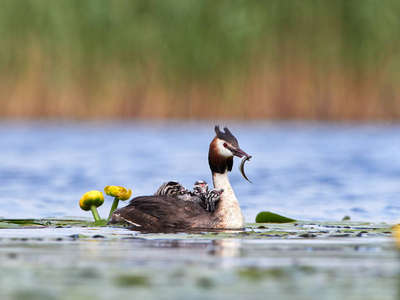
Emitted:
<point x="159" y="211"/>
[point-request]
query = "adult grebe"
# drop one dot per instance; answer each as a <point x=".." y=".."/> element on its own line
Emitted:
<point x="159" y="211"/>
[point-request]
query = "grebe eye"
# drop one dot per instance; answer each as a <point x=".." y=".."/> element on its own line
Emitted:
<point x="225" y="145"/>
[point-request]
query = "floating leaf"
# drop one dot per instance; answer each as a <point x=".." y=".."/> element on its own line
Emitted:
<point x="98" y="223"/>
<point x="8" y="225"/>
<point x="269" y="217"/>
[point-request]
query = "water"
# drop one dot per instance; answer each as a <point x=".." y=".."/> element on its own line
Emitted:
<point x="311" y="172"/>
<point x="306" y="171"/>
<point x="101" y="263"/>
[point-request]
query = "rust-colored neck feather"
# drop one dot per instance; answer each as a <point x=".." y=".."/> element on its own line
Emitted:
<point x="218" y="163"/>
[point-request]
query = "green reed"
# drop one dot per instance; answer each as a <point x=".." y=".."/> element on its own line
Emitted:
<point x="200" y="59"/>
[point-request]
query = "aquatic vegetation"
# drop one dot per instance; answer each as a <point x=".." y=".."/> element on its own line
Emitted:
<point x="132" y="280"/>
<point x="119" y="193"/>
<point x="90" y="201"/>
<point x="269" y="217"/>
<point x="257" y="274"/>
<point x="93" y="199"/>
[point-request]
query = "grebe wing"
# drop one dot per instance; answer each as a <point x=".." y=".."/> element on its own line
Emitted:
<point x="159" y="211"/>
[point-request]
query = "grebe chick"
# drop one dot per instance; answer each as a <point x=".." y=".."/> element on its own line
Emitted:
<point x="212" y="197"/>
<point x="200" y="188"/>
<point x="199" y="195"/>
<point x="174" y="189"/>
<point x="209" y="197"/>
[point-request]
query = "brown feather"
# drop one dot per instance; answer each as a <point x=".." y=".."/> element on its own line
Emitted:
<point x="164" y="211"/>
<point x="217" y="162"/>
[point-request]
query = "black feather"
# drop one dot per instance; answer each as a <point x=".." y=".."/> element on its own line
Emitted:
<point x="226" y="136"/>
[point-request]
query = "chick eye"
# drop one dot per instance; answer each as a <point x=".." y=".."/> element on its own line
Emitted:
<point x="225" y="145"/>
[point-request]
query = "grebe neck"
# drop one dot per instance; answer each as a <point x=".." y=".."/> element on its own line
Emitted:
<point x="227" y="212"/>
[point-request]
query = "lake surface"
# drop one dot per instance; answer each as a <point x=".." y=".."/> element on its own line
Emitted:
<point x="306" y="171"/>
<point x="305" y="260"/>
<point x="315" y="172"/>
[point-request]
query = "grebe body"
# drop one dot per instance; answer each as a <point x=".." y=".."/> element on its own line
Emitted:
<point x="221" y="208"/>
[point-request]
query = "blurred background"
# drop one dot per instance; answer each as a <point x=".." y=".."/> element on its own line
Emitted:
<point x="189" y="59"/>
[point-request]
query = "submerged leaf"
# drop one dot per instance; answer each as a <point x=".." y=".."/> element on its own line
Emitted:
<point x="269" y="217"/>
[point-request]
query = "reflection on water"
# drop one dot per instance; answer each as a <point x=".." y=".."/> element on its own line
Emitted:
<point x="227" y="248"/>
<point x="304" y="171"/>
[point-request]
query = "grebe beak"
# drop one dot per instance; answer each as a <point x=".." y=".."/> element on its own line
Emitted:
<point x="239" y="153"/>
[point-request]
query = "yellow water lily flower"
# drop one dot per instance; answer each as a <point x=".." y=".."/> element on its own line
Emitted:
<point x="90" y="201"/>
<point x="119" y="193"/>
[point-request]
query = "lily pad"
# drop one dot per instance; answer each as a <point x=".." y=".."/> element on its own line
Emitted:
<point x="269" y="217"/>
<point x="98" y="223"/>
<point x="50" y="222"/>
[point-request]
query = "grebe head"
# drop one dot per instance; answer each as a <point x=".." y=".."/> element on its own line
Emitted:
<point x="222" y="149"/>
<point x="227" y="144"/>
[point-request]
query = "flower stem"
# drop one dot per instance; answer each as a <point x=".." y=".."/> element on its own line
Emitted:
<point x="95" y="213"/>
<point x="114" y="206"/>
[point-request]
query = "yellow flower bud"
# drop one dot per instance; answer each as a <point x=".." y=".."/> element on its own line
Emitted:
<point x="90" y="198"/>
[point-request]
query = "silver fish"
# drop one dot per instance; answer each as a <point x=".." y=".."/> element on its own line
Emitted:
<point x="241" y="167"/>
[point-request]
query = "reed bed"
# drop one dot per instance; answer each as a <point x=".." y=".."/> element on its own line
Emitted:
<point x="328" y="60"/>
